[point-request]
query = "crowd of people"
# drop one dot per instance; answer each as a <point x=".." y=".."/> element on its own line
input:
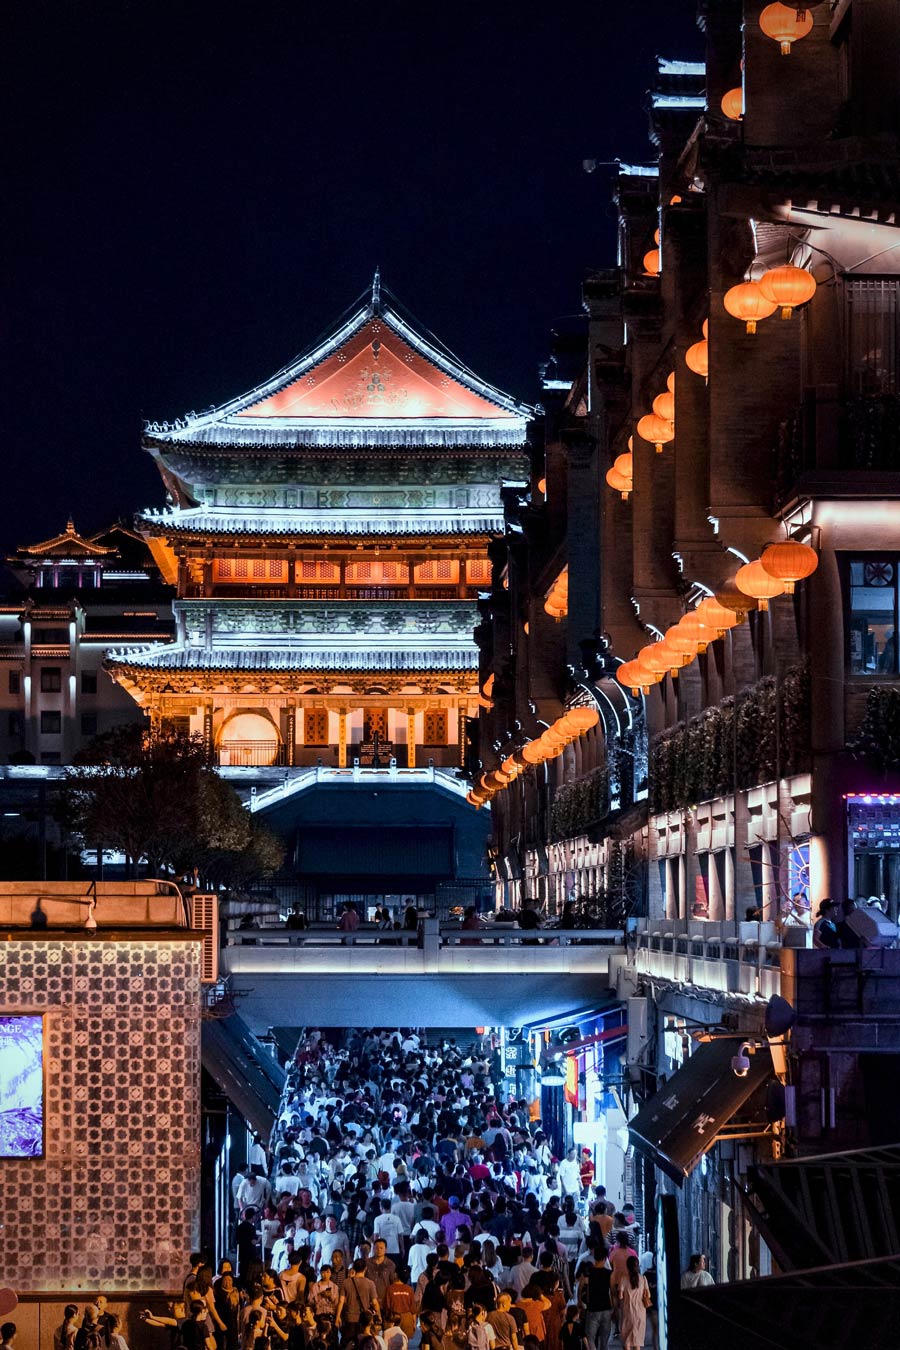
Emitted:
<point x="403" y="1197"/>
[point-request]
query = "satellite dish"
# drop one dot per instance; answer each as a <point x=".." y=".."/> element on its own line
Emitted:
<point x="780" y="1016"/>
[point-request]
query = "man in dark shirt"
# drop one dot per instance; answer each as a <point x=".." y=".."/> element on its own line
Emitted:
<point x="594" y="1297"/>
<point x="245" y="1242"/>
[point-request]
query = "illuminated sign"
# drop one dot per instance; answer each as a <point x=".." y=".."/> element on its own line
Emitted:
<point x="21" y="1087"/>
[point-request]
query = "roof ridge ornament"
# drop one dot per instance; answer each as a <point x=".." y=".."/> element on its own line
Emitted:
<point x="376" y="291"/>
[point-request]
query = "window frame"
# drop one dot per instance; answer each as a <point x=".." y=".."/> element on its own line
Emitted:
<point x="47" y="714"/>
<point x="47" y="686"/>
<point x="847" y="559"/>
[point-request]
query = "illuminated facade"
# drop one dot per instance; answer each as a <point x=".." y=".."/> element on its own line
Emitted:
<point x="756" y="771"/>
<point x="327" y="534"/>
<point x="75" y="597"/>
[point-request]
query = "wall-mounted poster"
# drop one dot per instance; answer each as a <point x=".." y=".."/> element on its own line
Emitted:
<point x="21" y="1087"/>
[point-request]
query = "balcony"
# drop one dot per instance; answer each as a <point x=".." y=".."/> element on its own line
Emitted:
<point x="727" y="956"/>
<point x="832" y="440"/>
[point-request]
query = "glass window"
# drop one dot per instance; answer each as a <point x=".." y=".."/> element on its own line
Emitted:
<point x="51" y="723"/>
<point x="15" y="682"/>
<point x="89" y="724"/>
<point x="872" y="310"/>
<point x="89" y="682"/>
<point x="51" y="679"/>
<point x="14" y="724"/>
<point x="873" y="615"/>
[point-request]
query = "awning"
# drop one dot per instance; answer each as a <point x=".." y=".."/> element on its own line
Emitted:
<point x="575" y="1015"/>
<point x="681" y="1122"/>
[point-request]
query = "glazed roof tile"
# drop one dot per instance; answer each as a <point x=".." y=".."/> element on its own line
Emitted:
<point x="302" y="522"/>
<point x="375" y="374"/>
<point x="196" y="658"/>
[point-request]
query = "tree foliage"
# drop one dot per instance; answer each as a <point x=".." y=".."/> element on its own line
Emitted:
<point x="155" y="796"/>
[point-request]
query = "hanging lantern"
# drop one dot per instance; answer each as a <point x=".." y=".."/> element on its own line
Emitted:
<point x="732" y="597"/>
<point x="657" y="430"/>
<point x="696" y="358"/>
<point x="784" y="24"/>
<point x="625" y="463"/>
<point x="733" y="104"/>
<point x="664" y="659"/>
<point x="579" y="720"/>
<point x="788" y="286"/>
<point x="716" y="615"/>
<point x="670" y="382"/>
<point x="790" y="562"/>
<point x="632" y="675"/>
<point x="630" y="443"/>
<point x="652" y="263"/>
<point x="531" y="753"/>
<point x="754" y="580"/>
<point x="664" y="406"/>
<point x="679" y="641"/>
<point x="747" y="302"/>
<point x="656" y="236"/>
<point x="542" y="486"/>
<point x="618" y="482"/>
<point x="696" y="631"/>
<point x="704" y="328"/>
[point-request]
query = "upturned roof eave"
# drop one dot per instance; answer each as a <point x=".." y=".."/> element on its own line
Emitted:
<point x="194" y="424"/>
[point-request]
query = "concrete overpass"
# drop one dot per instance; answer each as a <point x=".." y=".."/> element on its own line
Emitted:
<point x="450" y="978"/>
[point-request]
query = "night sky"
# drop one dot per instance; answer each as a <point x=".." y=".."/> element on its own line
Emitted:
<point x="198" y="189"/>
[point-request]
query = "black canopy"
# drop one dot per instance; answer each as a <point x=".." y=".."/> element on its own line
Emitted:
<point x="680" y="1123"/>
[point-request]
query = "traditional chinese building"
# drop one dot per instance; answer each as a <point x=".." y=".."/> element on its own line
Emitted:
<point x="72" y="598"/>
<point x="327" y="533"/>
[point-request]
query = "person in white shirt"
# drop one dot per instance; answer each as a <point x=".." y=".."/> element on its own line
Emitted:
<point x="258" y="1156"/>
<point x="570" y="1175"/>
<point x="286" y="1181"/>
<point x="328" y="1241"/>
<point x="283" y="1250"/>
<point x="429" y="1223"/>
<point x="253" y="1191"/>
<point x="696" y="1276"/>
<point x="418" y="1254"/>
<point x="389" y="1228"/>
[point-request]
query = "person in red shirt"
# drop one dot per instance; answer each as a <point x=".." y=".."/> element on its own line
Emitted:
<point x="587" y="1172"/>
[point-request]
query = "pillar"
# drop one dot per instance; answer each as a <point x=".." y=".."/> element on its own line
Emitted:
<point x="461" y="735"/>
<point x="291" y="734"/>
<point x="410" y="738"/>
<point x="342" y="738"/>
<point x="208" y="729"/>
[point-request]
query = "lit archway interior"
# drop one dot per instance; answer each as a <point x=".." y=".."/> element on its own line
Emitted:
<point x="249" y="736"/>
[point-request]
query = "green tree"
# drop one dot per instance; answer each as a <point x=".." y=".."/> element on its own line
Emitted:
<point x="154" y="796"/>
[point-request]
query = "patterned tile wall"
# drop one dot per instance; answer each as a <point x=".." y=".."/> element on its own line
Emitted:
<point x="114" y="1202"/>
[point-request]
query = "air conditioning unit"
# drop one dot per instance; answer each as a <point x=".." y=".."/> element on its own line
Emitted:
<point x="205" y="918"/>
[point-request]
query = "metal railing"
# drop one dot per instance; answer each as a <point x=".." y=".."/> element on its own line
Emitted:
<point x="450" y="935"/>
<point x="251" y="753"/>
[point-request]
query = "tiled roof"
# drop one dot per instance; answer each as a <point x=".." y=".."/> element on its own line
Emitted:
<point x="374" y="374"/>
<point x="304" y="522"/>
<point x="300" y="660"/>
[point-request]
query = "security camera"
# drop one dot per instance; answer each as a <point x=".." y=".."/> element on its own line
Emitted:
<point x="740" y="1063"/>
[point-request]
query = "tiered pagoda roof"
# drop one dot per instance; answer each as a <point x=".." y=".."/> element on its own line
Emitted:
<point x="374" y="381"/>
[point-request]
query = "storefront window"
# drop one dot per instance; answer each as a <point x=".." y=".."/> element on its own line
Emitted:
<point x="873" y="615"/>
